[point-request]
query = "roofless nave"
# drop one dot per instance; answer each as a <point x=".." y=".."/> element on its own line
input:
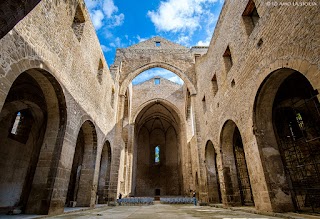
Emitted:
<point x="242" y="130"/>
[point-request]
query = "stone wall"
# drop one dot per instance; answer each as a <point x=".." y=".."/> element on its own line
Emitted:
<point x="284" y="37"/>
<point x="49" y="40"/>
<point x="167" y="90"/>
<point x="229" y="86"/>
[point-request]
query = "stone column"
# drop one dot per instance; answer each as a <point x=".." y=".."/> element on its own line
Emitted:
<point x="129" y="173"/>
<point x="115" y="160"/>
<point x="202" y="191"/>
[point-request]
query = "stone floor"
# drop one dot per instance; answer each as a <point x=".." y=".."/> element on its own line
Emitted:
<point x="161" y="211"/>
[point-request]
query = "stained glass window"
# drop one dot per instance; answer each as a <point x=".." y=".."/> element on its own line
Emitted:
<point x="157" y="154"/>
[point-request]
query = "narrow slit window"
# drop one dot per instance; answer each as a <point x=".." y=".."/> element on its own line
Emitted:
<point x="204" y="104"/>
<point x="100" y="71"/>
<point x="227" y="59"/>
<point x="157" y="155"/>
<point x="157" y="81"/>
<point x="112" y="98"/>
<point x="21" y="126"/>
<point x="14" y="129"/>
<point x="196" y="57"/>
<point x="214" y="84"/>
<point x="250" y="17"/>
<point x="188" y="105"/>
<point x="78" y="23"/>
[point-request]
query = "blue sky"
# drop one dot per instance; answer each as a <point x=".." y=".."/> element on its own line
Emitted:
<point x="122" y="23"/>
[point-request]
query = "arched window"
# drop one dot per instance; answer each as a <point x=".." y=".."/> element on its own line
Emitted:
<point x="16" y="123"/>
<point x="157" y="155"/>
<point x="21" y="126"/>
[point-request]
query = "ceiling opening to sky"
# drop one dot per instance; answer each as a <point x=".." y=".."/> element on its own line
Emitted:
<point x="122" y="23"/>
<point x="157" y="72"/>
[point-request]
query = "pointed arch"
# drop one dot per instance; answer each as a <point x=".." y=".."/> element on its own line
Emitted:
<point x="164" y="65"/>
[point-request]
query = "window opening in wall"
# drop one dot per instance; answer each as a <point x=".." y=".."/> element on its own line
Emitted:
<point x="158" y="44"/>
<point x="78" y="23"/>
<point x="233" y="83"/>
<point x="16" y="123"/>
<point x="112" y="98"/>
<point x="21" y="126"/>
<point x="188" y="105"/>
<point x="100" y="71"/>
<point x="227" y="59"/>
<point x="214" y="84"/>
<point x="204" y="105"/>
<point x="260" y="42"/>
<point x="196" y="57"/>
<point x="157" y="154"/>
<point x="157" y="81"/>
<point x="250" y="16"/>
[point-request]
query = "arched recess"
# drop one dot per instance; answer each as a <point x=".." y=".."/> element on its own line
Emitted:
<point x="32" y="124"/>
<point x="158" y="151"/>
<point x="170" y="107"/>
<point x="213" y="183"/>
<point x="167" y="66"/>
<point x="81" y="191"/>
<point x="235" y="172"/>
<point x="287" y="128"/>
<point x="104" y="174"/>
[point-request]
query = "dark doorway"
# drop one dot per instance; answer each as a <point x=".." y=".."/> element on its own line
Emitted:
<point x="213" y="184"/>
<point x="297" y="124"/>
<point x="242" y="171"/>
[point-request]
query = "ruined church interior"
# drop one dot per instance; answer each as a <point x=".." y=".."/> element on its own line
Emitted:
<point x="242" y="128"/>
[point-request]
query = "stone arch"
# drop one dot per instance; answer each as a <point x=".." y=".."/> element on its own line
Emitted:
<point x="309" y="70"/>
<point x="213" y="183"/>
<point x="37" y="92"/>
<point x="81" y="189"/>
<point x="164" y="65"/>
<point x="157" y="124"/>
<point x="286" y="112"/>
<point x="104" y="173"/>
<point x="158" y="100"/>
<point x="235" y="173"/>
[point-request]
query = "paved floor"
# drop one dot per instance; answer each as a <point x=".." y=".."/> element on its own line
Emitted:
<point x="160" y="211"/>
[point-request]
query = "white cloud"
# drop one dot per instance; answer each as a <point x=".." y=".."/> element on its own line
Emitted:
<point x="146" y="75"/>
<point x="140" y="39"/>
<point x="104" y="14"/>
<point x="117" y="43"/>
<point x="97" y="18"/>
<point x="179" y="15"/>
<point x="109" y="8"/>
<point x="105" y="48"/>
<point x="203" y="43"/>
<point x="176" y="79"/>
<point x="211" y="20"/>
<point x="117" y="20"/>
<point x="91" y="4"/>
<point x="107" y="34"/>
<point x="184" y="40"/>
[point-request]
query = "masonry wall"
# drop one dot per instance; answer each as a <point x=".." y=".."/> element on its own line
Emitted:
<point x="284" y="37"/>
<point x="33" y="41"/>
<point x="46" y="39"/>
<point x="148" y="90"/>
